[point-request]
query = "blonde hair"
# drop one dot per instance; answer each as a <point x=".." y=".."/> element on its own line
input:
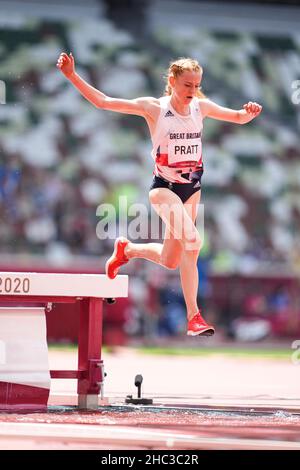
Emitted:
<point x="179" y="66"/>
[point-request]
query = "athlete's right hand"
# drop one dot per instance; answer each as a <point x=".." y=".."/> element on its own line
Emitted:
<point x="66" y="64"/>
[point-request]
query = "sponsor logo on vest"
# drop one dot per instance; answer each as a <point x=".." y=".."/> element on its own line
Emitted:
<point x="169" y="114"/>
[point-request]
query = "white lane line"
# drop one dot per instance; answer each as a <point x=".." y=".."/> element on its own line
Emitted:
<point x="114" y="434"/>
<point x="86" y="431"/>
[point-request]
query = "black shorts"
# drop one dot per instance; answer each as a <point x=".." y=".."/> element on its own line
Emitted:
<point x="183" y="190"/>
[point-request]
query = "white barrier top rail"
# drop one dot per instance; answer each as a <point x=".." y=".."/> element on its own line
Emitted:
<point x="62" y="285"/>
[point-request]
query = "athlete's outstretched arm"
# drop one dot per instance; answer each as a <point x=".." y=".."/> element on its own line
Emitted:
<point x="138" y="106"/>
<point x="210" y="109"/>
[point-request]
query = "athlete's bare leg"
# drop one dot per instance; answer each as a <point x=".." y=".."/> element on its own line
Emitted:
<point x="181" y="242"/>
<point x="168" y="253"/>
<point x="188" y="265"/>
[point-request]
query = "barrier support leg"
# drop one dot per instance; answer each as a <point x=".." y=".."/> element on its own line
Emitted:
<point x="89" y="353"/>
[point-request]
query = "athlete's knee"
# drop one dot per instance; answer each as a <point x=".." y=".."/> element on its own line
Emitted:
<point x="192" y="241"/>
<point x="170" y="262"/>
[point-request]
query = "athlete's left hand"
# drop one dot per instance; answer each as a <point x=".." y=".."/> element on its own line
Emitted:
<point x="254" y="109"/>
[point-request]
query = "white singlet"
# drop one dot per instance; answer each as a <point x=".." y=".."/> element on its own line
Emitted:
<point x="177" y="146"/>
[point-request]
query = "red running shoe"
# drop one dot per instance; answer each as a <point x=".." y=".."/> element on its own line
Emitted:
<point x="117" y="259"/>
<point x="198" y="326"/>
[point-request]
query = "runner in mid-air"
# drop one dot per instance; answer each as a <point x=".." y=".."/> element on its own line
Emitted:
<point x="175" y="123"/>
